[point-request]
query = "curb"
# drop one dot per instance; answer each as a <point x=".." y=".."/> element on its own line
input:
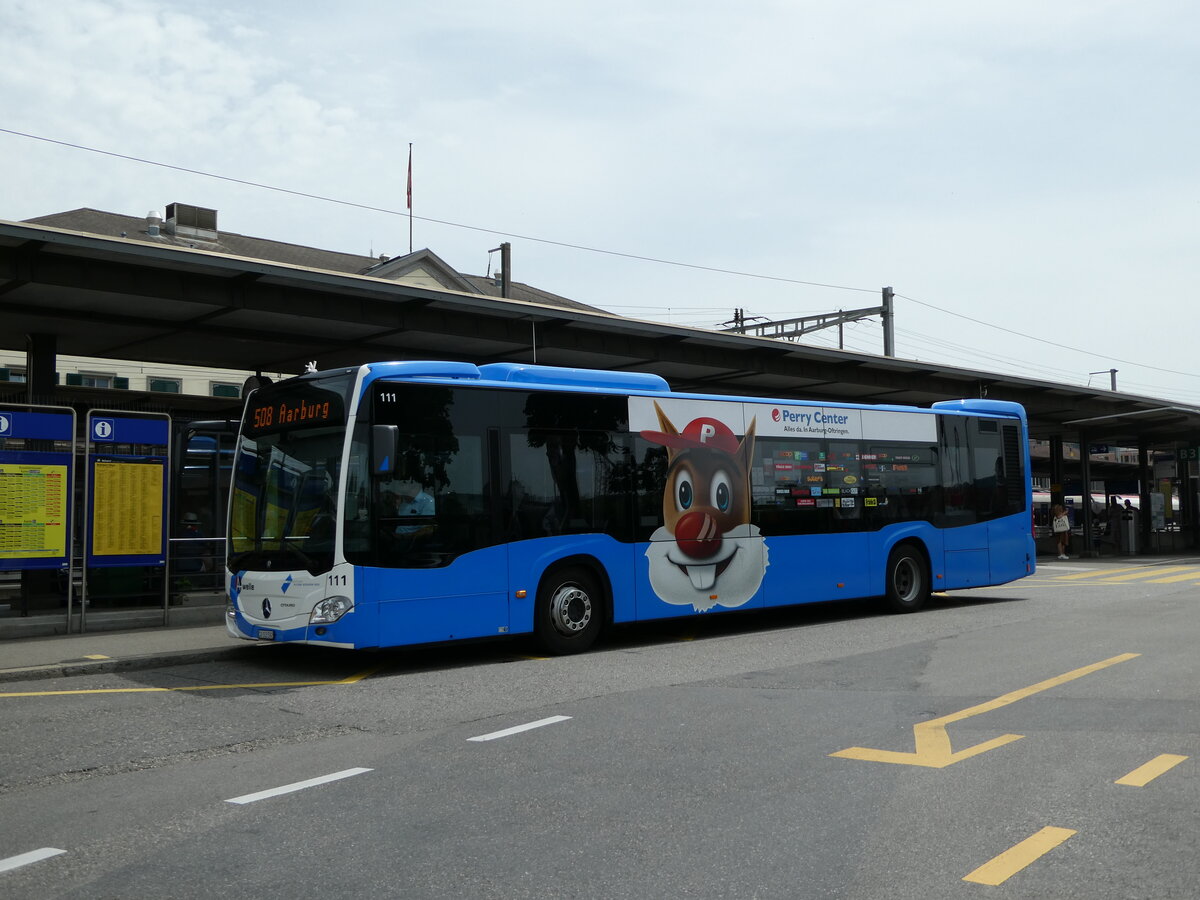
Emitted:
<point x="73" y="667"/>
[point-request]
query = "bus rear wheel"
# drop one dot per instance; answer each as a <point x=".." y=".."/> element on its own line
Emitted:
<point x="907" y="579"/>
<point x="570" y="610"/>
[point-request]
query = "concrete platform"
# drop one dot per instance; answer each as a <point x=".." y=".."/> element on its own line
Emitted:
<point x="26" y="659"/>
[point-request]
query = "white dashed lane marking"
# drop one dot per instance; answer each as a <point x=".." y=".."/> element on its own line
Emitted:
<point x="297" y="786"/>
<point x="517" y="729"/>
<point x="25" y="859"/>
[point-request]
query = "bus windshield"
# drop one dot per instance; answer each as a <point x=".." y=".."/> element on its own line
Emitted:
<point x="282" y="513"/>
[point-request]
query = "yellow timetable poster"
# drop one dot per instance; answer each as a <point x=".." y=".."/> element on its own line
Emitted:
<point x="33" y="511"/>
<point x="127" y="504"/>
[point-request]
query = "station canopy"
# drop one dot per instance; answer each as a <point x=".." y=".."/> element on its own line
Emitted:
<point x="115" y="298"/>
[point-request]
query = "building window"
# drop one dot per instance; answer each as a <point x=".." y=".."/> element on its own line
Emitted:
<point x="164" y="385"/>
<point x="12" y="373"/>
<point x="90" y="379"/>
<point x="221" y="389"/>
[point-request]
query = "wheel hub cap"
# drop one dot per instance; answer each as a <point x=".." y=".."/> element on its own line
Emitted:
<point x="571" y="610"/>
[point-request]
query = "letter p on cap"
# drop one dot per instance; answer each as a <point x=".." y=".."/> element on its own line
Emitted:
<point x="707" y="432"/>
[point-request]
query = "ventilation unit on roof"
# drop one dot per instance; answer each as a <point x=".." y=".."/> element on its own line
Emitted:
<point x="184" y="220"/>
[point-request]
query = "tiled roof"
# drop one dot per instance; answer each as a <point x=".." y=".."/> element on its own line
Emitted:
<point x="95" y="221"/>
<point x="490" y="288"/>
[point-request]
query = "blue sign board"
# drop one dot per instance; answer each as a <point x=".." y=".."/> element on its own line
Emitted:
<point x="121" y="430"/>
<point x="35" y="425"/>
<point x="127" y="494"/>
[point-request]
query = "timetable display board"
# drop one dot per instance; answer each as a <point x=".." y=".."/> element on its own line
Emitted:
<point x="127" y="492"/>
<point x="127" y="508"/>
<point x="35" y="489"/>
<point x="33" y="512"/>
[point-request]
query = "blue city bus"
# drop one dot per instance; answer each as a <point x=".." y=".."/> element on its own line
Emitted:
<point x="416" y="502"/>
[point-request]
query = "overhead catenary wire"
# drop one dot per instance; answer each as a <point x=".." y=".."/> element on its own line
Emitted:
<point x="970" y="356"/>
<point x="863" y="336"/>
<point x="1046" y="341"/>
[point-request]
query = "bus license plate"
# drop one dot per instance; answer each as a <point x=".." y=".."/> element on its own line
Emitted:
<point x="266" y="635"/>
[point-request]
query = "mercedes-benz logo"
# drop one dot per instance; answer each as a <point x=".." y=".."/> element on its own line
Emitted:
<point x="266" y="609"/>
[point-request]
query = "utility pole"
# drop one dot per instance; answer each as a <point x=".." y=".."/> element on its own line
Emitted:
<point x="889" y="323"/>
<point x="505" y="264"/>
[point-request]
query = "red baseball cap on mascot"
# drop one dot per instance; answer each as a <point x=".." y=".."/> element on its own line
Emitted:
<point x="700" y="434"/>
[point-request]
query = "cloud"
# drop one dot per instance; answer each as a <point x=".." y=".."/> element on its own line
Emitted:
<point x="150" y="80"/>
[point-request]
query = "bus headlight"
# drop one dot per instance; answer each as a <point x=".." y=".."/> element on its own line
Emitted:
<point x="330" y="610"/>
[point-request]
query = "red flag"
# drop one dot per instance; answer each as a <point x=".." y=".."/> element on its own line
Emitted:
<point x="410" y="177"/>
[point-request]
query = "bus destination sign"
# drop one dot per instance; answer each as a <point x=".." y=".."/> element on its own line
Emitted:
<point x="289" y="412"/>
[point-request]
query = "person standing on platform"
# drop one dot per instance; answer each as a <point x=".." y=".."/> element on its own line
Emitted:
<point x="1061" y="526"/>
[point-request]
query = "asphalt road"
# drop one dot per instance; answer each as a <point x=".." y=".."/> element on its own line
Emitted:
<point x="971" y="750"/>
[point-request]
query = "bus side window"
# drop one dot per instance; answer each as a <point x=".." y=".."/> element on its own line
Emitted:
<point x="796" y="486"/>
<point x="649" y="476"/>
<point x="903" y="482"/>
<point x="563" y="482"/>
<point x="988" y="457"/>
<point x="958" y="481"/>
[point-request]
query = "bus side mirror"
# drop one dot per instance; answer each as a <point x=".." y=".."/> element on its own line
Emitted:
<point x="385" y="439"/>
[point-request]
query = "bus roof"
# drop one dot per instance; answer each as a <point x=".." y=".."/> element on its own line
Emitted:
<point x="509" y="374"/>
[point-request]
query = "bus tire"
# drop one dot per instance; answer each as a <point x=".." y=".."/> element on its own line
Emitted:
<point x="907" y="579"/>
<point x="570" y="610"/>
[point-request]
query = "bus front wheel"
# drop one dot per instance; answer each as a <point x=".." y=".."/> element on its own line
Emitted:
<point x="907" y="579"/>
<point x="570" y="610"/>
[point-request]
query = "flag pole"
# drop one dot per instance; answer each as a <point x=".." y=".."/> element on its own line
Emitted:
<point x="410" y="227"/>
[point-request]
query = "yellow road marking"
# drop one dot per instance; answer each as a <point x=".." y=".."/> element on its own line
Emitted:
<point x="1013" y="860"/>
<point x="352" y="679"/>
<point x="932" y="745"/>
<point x="1186" y="576"/>
<point x="1143" y="775"/>
<point x="97" y="656"/>
<point x="1100" y="573"/>
<point x="365" y="673"/>
<point x="1147" y="573"/>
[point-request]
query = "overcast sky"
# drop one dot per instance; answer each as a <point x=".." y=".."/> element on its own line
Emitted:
<point x="1023" y="174"/>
